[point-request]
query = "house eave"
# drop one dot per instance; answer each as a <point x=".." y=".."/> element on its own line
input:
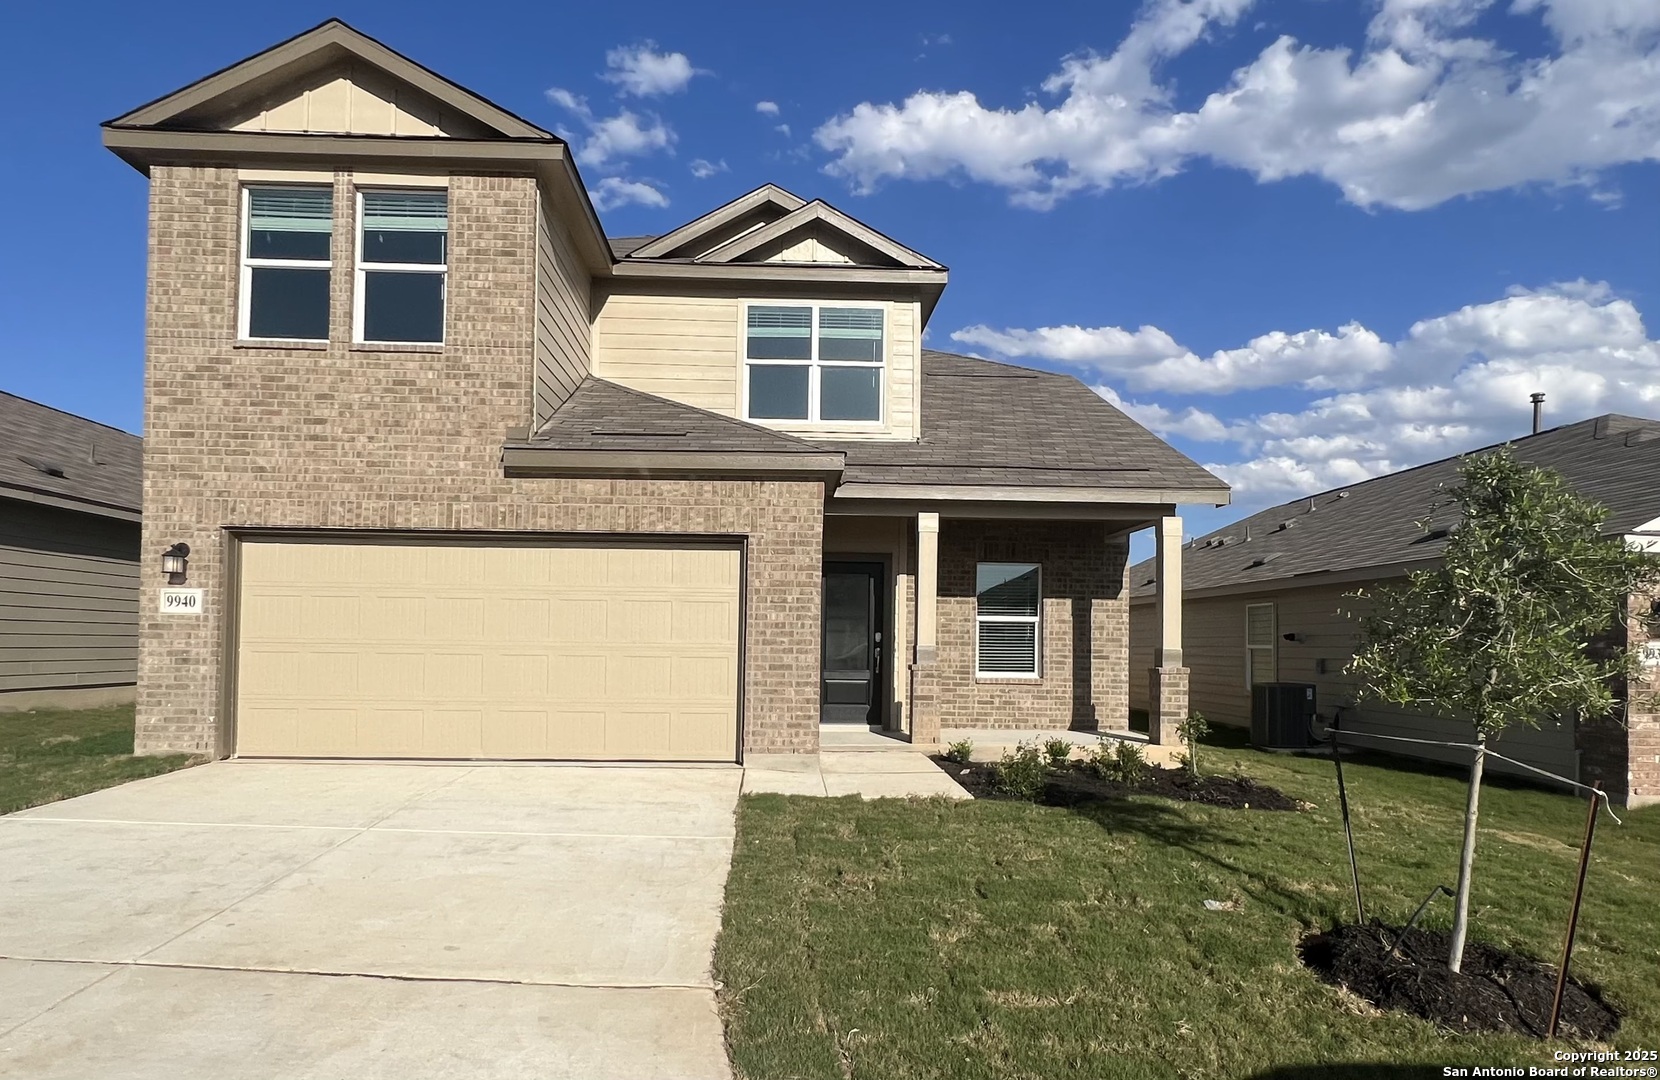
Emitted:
<point x="66" y="502"/>
<point x="1313" y="579"/>
<point x="530" y="462"/>
<point x="1008" y="493"/>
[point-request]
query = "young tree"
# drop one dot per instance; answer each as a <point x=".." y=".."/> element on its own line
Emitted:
<point x="1505" y="631"/>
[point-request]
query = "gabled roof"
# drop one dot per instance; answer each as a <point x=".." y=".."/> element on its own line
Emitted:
<point x="986" y="424"/>
<point x="1612" y="459"/>
<point x="59" y="459"/>
<point x="319" y="47"/>
<point x="819" y="211"/>
<point x="766" y="203"/>
<point x="607" y="429"/>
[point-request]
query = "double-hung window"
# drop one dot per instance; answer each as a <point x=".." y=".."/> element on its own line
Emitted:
<point x="1007" y="600"/>
<point x="1260" y="659"/>
<point x="402" y="264"/>
<point x="285" y="263"/>
<point x="814" y="362"/>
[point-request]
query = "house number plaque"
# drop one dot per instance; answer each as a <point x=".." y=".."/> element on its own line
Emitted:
<point x="181" y="601"/>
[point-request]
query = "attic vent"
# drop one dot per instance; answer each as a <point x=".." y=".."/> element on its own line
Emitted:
<point x="42" y="466"/>
<point x="1151" y="581"/>
<point x="1262" y="560"/>
<point x="1284" y="525"/>
<point x="1439" y="532"/>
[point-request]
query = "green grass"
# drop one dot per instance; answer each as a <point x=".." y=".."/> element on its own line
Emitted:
<point x="52" y="754"/>
<point x="894" y="939"/>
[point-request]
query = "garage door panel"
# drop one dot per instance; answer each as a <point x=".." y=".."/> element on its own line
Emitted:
<point x="479" y="651"/>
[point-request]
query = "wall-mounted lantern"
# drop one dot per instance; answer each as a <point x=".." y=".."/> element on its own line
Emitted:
<point x="175" y="563"/>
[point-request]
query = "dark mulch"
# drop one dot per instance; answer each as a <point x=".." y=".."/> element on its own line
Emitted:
<point x="1077" y="783"/>
<point x="1497" y="990"/>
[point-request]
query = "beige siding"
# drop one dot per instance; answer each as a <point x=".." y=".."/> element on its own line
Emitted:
<point x="1213" y="647"/>
<point x="809" y="246"/>
<point x="68" y="599"/>
<point x="564" y="337"/>
<point x="352" y="99"/>
<point x="690" y="349"/>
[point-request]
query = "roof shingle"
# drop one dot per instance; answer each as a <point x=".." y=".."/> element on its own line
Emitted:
<point x="46" y="450"/>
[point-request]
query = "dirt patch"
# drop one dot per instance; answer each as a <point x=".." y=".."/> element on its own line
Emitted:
<point x="1077" y="783"/>
<point x="1497" y="990"/>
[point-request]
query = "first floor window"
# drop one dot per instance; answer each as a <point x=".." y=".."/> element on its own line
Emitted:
<point x="285" y="263"/>
<point x="402" y="264"/>
<point x="814" y="362"/>
<point x="1259" y="644"/>
<point x="1007" y="599"/>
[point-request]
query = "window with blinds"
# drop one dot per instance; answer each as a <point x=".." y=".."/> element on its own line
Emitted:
<point x="1260" y="655"/>
<point x="813" y="362"/>
<point x="402" y="266"/>
<point x="1008" y="598"/>
<point x="284" y="292"/>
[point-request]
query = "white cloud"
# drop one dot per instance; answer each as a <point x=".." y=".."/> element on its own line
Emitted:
<point x="783" y="129"/>
<point x="1150" y="359"/>
<point x="703" y="169"/>
<point x="627" y="134"/>
<point x="1459" y="381"/>
<point x="767" y="108"/>
<point x="615" y="191"/>
<point x="1421" y="113"/>
<point x="643" y="71"/>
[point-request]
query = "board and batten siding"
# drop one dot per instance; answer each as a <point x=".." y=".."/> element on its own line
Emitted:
<point x="564" y="335"/>
<point x="690" y="349"/>
<point x="68" y="601"/>
<point x="1327" y="624"/>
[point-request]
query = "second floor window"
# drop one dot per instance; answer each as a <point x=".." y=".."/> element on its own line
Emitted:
<point x="815" y="363"/>
<point x="402" y="263"/>
<point x="285" y="263"/>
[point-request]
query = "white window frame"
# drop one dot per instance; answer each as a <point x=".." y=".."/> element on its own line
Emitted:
<point x="815" y="366"/>
<point x="1252" y="650"/>
<point x="1036" y="622"/>
<point x="361" y="270"/>
<point x="245" y="276"/>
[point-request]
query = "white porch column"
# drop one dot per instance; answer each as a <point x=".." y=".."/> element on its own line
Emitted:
<point x="925" y="712"/>
<point x="1168" y="697"/>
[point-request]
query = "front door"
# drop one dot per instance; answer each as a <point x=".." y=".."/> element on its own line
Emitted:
<point x="852" y="661"/>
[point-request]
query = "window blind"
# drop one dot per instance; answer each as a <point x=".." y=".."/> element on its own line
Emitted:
<point x="863" y="323"/>
<point x="309" y="210"/>
<point x="1007" y="648"/>
<point x="406" y="211"/>
<point x="780" y="322"/>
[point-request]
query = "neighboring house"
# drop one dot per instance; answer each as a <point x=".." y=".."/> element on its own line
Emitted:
<point x="1268" y="599"/>
<point x="69" y="558"/>
<point x="464" y="478"/>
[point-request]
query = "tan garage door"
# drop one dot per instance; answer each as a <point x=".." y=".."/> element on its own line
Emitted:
<point x="433" y="650"/>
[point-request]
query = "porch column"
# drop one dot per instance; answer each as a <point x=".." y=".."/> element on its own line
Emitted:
<point x="1167" y="700"/>
<point x="925" y="714"/>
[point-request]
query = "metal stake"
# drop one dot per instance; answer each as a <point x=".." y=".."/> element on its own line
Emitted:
<point x="1573" y="914"/>
<point x="1343" y="801"/>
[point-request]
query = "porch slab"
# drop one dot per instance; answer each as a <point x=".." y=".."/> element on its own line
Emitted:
<point x="868" y="774"/>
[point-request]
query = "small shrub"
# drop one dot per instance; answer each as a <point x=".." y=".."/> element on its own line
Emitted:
<point x="1129" y="763"/>
<point x="960" y="751"/>
<point x="1191" y="731"/>
<point x="1022" y="772"/>
<point x="1058" y="751"/>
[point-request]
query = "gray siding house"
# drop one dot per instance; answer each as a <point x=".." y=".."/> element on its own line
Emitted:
<point x="1268" y="599"/>
<point x="69" y="558"/>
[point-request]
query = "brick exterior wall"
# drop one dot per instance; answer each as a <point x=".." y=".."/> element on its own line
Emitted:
<point x="1623" y="751"/>
<point x="344" y="437"/>
<point x="1084" y="628"/>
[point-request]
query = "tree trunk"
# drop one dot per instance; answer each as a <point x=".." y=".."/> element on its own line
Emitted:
<point x="1466" y="862"/>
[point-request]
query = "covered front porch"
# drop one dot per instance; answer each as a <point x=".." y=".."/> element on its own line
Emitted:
<point x="999" y="619"/>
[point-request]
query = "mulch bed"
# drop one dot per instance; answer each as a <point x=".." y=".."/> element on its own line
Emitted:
<point x="1077" y="783"/>
<point x="1497" y="990"/>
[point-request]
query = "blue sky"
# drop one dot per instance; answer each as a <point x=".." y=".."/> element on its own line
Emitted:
<point x="1305" y="240"/>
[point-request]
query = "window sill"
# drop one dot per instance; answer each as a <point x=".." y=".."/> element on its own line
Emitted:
<point x="393" y="346"/>
<point x="280" y="343"/>
<point x="1014" y="680"/>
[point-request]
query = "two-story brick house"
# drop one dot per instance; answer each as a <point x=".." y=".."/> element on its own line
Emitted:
<point x="461" y="477"/>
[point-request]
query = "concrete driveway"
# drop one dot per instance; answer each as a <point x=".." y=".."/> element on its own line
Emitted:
<point x="359" y="921"/>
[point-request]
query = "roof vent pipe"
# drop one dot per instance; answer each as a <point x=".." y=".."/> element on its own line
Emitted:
<point x="1538" y="400"/>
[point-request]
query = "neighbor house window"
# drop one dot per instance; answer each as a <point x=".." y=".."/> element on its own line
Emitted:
<point x="814" y="362"/>
<point x="402" y="264"/>
<point x="1007" y="597"/>
<point x="1260" y="666"/>
<point x="285" y="263"/>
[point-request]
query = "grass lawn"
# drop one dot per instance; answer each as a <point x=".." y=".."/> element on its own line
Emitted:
<point x="894" y="939"/>
<point x="52" y="754"/>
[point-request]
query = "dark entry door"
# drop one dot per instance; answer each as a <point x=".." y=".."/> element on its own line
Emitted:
<point x="852" y="660"/>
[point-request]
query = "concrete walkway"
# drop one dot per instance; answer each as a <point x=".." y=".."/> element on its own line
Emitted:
<point x="870" y="767"/>
<point x="323" y="921"/>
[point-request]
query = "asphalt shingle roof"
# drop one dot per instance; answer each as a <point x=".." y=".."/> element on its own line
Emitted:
<point x="996" y="424"/>
<point x="1612" y="459"/>
<point x="623" y="246"/>
<point x="46" y="450"/>
<point x="601" y="415"/>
